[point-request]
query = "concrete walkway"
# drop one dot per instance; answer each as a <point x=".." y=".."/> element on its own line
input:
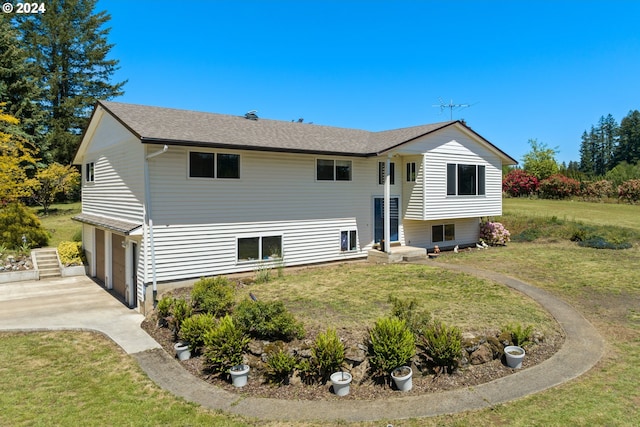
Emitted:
<point x="582" y="349"/>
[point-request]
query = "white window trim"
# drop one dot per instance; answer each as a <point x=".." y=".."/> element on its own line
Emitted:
<point x="444" y="234"/>
<point x="92" y="165"/>
<point x="334" y="160"/>
<point x="215" y="166"/>
<point x="260" y="236"/>
<point x="348" y="230"/>
<point x="477" y="165"/>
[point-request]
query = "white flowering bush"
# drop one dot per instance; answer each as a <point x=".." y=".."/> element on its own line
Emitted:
<point x="494" y="233"/>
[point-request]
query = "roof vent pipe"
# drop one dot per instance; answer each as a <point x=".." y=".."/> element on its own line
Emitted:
<point x="251" y="115"/>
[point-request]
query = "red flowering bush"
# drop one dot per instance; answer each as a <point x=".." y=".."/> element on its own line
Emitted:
<point x="519" y="183"/>
<point x="629" y="191"/>
<point x="597" y="190"/>
<point x="558" y="187"/>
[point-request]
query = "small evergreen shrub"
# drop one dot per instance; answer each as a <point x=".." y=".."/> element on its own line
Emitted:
<point x="519" y="183"/>
<point x="16" y="221"/>
<point x="224" y="345"/>
<point x="327" y="353"/>
<point x="163" y="308"/>
<point x="442" y="345"/>
<point x="494" y="233"/>
<point x="391" y="345"/>
<point x="280" y="366"/>
<point x="520" y="335"/>
<point x="268" y="320"/>
<point x="194" y="329"/>
<point x="629" y="191"/>
<point x="558" y="187"/>
<point x="214" y="295"/>
<point x="71" y="253"/>
<point x="180" y="310"/>
<point x="407" y="310"/>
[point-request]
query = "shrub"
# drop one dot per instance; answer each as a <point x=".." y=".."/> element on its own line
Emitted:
<point x="213" y="295"/>
<point x="597" y="190"/>
<point x="16" y="221"/>
<point x="629" y="191"/>
<point x="558" y="187"/>
<point x="442" y="345"/>
<point x="391" y="345"/>
<point x="407" y="310"/>
<point x="519" y="183"/>
<point x="520" y="336"/>
<point x="494" y="233"/>
<point x="71" y="253"/>
<point x="194" y="329"/>
<point x="327" y="353"/>
<point x="225" y="345"/>
<point x="163" y="308"/>
<point x="180" y="310"/>
<point x="268" y="320"/>
<point x="280" y="366"/>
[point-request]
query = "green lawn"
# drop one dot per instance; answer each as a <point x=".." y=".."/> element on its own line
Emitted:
<point x="59" y="224"/>
<point x="47" y="377"/>
<point x="620" y="215"/>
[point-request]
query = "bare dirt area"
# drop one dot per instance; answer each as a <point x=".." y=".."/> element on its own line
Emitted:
<point x="424" y="379"/>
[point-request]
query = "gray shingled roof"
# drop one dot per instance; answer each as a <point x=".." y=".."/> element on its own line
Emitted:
<point x="120" y="226"/>
<point x="192" y="128"/>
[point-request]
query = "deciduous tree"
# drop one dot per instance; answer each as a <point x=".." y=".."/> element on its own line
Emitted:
<point x="51" y="181"/>
<point x="16" y="157"/>
<point x="541" y="160"/>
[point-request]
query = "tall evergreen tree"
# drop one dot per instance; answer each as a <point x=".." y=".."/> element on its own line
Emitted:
<point x="19" y="91"/>
<point x="628" y="149"/>
<point x="69" y="46"/>
<point x="586" y="152"/>
<point x="608" y="130"/>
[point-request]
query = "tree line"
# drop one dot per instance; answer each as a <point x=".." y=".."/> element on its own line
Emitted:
<point x="608" y="144"/>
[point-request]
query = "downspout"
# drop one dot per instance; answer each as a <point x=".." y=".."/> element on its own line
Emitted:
<point x="148" y="221"/>
<point x="386" y="207"/>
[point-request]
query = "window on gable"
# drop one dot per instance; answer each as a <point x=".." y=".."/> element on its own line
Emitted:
<point x="411" y="172"/>
<point x="259" y="248"/>
<point x="89" y="172"/>
<point x="348" y="240"/>
<point x="381" y="173"/>
<point x="465" y="180"/>
<point x="213" y="165"/>
<point x="333" y="170"/>
<point x="443" y="233"/>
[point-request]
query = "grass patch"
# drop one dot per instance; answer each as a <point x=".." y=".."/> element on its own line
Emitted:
<point x="59" y="224"/>
<point x="82" y="378"/>
<point x="353" y="296"/>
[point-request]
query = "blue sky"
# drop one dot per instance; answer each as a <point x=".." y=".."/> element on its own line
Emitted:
<point x="529" y="69"/>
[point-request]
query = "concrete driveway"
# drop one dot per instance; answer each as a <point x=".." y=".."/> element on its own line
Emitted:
<point x="71" y="303"/>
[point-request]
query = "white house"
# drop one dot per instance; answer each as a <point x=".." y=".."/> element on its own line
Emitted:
<point x="170" y="195"/>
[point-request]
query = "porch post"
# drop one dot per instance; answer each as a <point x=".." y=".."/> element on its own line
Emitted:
<point x="387" y="205"/>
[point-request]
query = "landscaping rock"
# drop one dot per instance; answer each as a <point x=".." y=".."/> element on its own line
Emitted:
<point x="355" y="354"/>
<point x="484" y="354"/>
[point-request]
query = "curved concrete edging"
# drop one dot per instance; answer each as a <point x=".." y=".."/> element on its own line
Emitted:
<point x="582" y="349"/>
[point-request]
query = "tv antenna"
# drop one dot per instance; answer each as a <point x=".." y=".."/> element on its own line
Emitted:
<point x="451" y="106"/>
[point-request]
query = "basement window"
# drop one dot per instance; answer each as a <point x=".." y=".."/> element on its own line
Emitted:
<point x="259" y="248"/>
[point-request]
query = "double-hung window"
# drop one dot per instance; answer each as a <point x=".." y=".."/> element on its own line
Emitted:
<point x="333" y="170"/>
<point x="89" y="172"/>
<point x="465" y="180"/>
<point x="382" y="173"/>
<point x="411" y="172"/>
<point x="214" y="165"/>
<point x="259" y="248"/>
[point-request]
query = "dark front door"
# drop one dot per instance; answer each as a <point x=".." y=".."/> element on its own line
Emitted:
<point x="378" y="212"/>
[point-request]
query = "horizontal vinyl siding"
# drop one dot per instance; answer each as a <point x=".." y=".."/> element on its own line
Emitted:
<point x="118" y="189"/>
<point x="191" y="251"/>
<point x="418" y="233"/>
<point x="413" y="192"/>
